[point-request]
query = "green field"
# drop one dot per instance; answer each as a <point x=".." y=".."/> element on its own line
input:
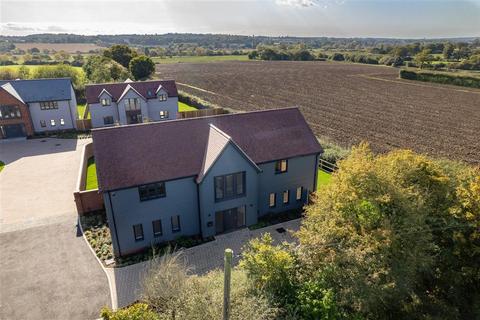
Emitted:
<point x="199" y="59"/>
<point x="323" y="178"/>
<point x="185" y="107"/>
<point x="91" y="179"/>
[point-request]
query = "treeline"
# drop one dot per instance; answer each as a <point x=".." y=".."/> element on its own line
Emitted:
<point x="443" y="78"/>
<point x="282" y="52"/>
<point x="220" y="41"/>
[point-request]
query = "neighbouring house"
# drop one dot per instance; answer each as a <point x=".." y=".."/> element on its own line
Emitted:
<point x="202" y="176"/>
<point x="35" y="106"/>
<point x="132" y="102"/>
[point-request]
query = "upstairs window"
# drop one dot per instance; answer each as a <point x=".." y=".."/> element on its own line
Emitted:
<point x="138" y="232"/>
<point x="151" y="191"/>
<point x="281" y="166"/>
<point x="132" y="104"/>
<point x="48" y="105"/>
<point x="162" y="97"/>
<point x="10" y="112"/>
<point x="163" y="114"/>
<point x="229" y="186"/>
<point x="105" y="102"/>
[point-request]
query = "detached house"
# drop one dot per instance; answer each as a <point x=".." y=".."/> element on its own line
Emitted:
<point x="36" y="106"/>
<point x="132" y="102"/>
<point x="202" y="176"/>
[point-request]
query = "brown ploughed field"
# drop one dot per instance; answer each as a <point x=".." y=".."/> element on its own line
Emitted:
<point x="346" y="103"/>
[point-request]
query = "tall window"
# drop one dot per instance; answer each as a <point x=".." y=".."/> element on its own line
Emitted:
<point x="157" y="228"/>
<point x="48" y="105"/>
<point x="175" y="223"/>
<point x="272" y="200"/>
<point x="108" y="120"/>
<point x="163" y="114"/>
<point x="286" y="196"/>
<point x="229" y="186"/>
<point x="138" y="232"/>
<point x="132" y="104"/>
<point x="10" y="112"/>
<point x="281" y="166"/>
<point x="105" y="102"/>
<point x="298" y="196"/>
<point x="151" y="191"/>
<point x="62" y="122"/>
<point x="162" y="97"/>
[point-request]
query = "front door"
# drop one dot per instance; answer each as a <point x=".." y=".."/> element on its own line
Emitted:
<point x="230" y="219"/>
<point x="134" y="116"/>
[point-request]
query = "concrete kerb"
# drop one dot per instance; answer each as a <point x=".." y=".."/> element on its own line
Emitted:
<point x="111" y="285"/>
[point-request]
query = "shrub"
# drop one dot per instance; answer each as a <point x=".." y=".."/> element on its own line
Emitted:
<point x="337" y="57"/>
<point x="332" y="152"/>
<point x="137" y="311"/>
<point x="442" y="78"/>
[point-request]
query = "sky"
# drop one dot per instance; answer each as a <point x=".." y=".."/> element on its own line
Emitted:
<point x="331" y="18"/>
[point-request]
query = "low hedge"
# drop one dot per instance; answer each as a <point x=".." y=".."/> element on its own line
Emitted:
<point x="195" y="101"/>
<point x="443" y="78"/>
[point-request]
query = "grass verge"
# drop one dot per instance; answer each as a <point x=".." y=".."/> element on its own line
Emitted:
<point x="323" y="178"/>
<point x="91" y="179"/>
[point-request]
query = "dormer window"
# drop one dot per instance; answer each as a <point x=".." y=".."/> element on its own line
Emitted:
<point x="162" y="97"/>
<point x="105" y="102"/>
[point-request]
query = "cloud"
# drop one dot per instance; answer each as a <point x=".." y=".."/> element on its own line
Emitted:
<point x="297" y="3"/>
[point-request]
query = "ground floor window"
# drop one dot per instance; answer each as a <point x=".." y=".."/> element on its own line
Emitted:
<point x="138" y="232"/>
<point x="175" y="223"/>
<point x="163" y="114"/>
<point x="108" y="120"/>
<point x="62" y="122"/>
<point x="52" y="122"/>
<point x="299" y="193"/>
<point x="157" y="228"/>
<point x="43" y="123"/>
<point x="286" y="196"/>
<point x="272" y="200"/>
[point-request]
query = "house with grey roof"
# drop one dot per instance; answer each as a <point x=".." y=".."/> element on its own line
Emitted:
<point x="36" y="106"/>
<point x="131" y="102"/>
<point x="202" y="176"/>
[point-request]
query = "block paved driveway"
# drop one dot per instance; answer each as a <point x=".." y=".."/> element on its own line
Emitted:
<point x="47" y="270"/>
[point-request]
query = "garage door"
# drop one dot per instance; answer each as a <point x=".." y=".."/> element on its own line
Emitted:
<point x="13" y="131"/>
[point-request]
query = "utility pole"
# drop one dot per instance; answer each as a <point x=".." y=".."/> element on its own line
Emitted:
<point x="226" y="283"/>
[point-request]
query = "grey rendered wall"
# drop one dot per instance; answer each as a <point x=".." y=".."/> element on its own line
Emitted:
<point x="121" y="106"/>
<point x="97" y="112"/>
<point x="128" y="210"/>
<point x="230" y="161"/>
<point x="301" y="173"/>
<point x="63" y="112"/>
<point x="155" y="106"/>
<point x="73" y="107"/>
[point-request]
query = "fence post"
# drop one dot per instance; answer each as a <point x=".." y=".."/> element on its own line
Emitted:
<point x="226" y="283"/>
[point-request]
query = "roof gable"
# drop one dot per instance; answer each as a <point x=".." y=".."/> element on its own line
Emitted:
<point x="217" y="143"/>
<point x="11" y="90"/>
<point x="177" y="148"/>
<point x="147" y="89"/>
<point x="38" y="90"/>
<point x="130" y="88"/>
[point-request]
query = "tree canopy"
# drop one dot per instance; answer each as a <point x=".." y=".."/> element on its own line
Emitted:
<point x="120" y="53"/>
<point x="141" y="67"/>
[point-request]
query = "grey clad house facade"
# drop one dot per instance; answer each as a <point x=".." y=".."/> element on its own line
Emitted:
<point x="202" y="176"/>
<point x="131" y="102"/>
<point x="42" y="104"/>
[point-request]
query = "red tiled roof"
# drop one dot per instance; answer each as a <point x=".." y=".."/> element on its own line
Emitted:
<point x="92" y="91"/>
<point x="132" y="155"/>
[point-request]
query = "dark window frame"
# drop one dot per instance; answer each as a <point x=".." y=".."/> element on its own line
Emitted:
<point x="135" y="232"/>
<point x="107" y="102"/>
<point x="43" y="123"/>
<point x="160" y="233"/>
<point x="162" y="97"/>
<point x="179" y="224"/>
<point x="278" y="166"/>
<point x="288" y="197"/>
<point x="152" y="191"/>
<point x="165" y="114"/>
<point x="235" y="193"/>
<point x="8" y="112"/>
<point x="48" y="105"/>
<point x="108" y="123"/>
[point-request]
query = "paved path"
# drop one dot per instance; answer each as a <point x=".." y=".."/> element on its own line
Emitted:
<point x="126" y="281"/>
<point x="47" y="270"/>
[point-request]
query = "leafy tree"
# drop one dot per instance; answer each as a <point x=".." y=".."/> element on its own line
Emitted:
<point x="120" y="53"/>
<point x="63" y="71"/>
<point x="252" y="55"/>
<point x="137" y="311"/>
<point x="423" y="57"/>
<point x="142" y="67"/>
<point x="448" y="50"/>
<point x="99" y="69"/>
<point x="396" y="236"/>
<point x="337" y="57"/>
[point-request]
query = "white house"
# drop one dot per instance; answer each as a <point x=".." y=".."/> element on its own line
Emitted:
<point x="132" y="102"/>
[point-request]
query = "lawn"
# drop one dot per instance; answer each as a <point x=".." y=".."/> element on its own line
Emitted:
<point x="91" y="181"/>
<point x="185" y="107"/>
<point x="323" y="178"/>
<point x="81" y="110"/>
<point x="2" y="165"/>
<point x="199" y="59"/>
